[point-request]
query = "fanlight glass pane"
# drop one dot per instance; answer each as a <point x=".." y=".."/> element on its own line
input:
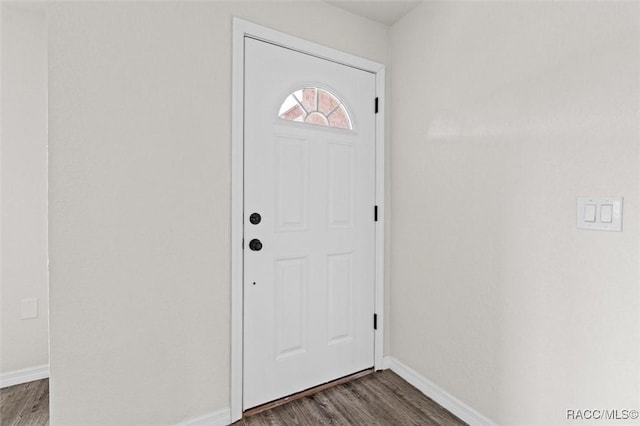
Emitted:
<point x="315" y="106"/>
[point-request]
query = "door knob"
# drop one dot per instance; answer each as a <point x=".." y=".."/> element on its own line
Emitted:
<point x="255" y="245"/>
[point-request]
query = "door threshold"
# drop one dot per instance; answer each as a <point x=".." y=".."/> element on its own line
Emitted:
<point x="306" y="392"/>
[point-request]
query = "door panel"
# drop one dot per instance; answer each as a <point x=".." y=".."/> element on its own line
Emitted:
<point x="340" y="193"/>
<point x="292" y="166"/>
<point x="340" y="300"/>
<point x="290" y="305"/>
<point x="309" y="291"/>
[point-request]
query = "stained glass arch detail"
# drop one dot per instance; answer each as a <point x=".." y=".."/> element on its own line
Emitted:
<point x="315" y="106"/>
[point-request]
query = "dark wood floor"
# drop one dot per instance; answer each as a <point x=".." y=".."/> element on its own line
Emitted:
<point x="25" y="404"/>
<point x="381" y="398"/>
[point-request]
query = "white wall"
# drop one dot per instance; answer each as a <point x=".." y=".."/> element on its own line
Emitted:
<point x="23" y="177"/>
<point x="139" y="128"/>
<point x="503" y="114"/>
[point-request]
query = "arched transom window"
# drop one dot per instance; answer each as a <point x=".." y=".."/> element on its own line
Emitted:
<point x="315" y="106"/>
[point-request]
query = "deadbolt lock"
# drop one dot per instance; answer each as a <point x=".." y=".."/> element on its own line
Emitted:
<point x="255" y="218"/>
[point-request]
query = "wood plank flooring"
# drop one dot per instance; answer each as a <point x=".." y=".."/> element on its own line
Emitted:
<point x="380" y="398"/>
<point x="25" y="404"/>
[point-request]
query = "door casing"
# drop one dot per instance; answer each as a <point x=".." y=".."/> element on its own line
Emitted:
<point x="242" y="29"/>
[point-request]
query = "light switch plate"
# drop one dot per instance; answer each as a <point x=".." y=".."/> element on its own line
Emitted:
<point x="590" y="211"/>
<point x="608" y="215"/>
<point x="28" y="308"/>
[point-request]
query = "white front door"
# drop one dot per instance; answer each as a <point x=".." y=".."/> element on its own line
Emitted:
<point x="309" y="232"/>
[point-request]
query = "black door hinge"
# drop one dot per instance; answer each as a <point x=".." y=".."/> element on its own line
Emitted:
<point x="243" y="244"/>
<point x="376" y="104"/>
<point x="375" y="321"/>
<point x="375" y="213"/>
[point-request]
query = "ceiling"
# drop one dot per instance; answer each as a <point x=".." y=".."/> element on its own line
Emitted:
<point x="385" y="11"/>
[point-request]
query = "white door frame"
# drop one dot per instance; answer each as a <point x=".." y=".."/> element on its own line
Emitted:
<point x="241" y="29"/>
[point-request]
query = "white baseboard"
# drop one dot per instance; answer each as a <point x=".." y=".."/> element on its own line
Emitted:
<point x="439" y="395"/>
<point x="217" y="418"/>
<point x="222" y="417"/>
<point x="25" y="375"/>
